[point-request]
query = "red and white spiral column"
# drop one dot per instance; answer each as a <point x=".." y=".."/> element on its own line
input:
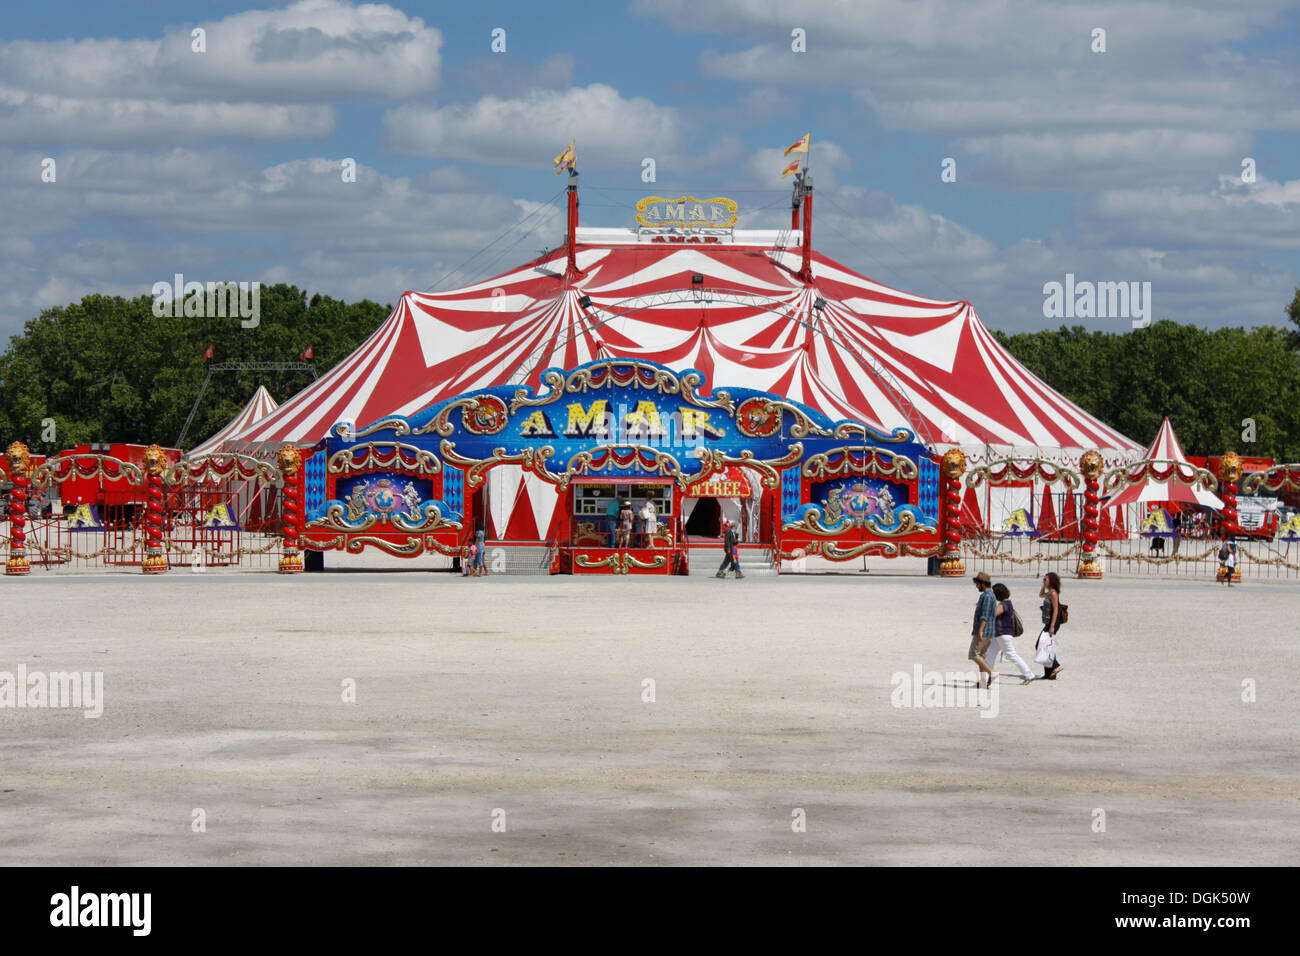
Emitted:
<point x="951" y="468"/>
<point x="18" y="457"/>
<point x="1090" y="464"/>
<point x="291" y="509"/>
<point x="1229" y="472"/>
<point x="155" y="561"/>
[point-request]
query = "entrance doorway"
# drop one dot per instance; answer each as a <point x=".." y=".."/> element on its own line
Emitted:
<point x="706" y="520"/>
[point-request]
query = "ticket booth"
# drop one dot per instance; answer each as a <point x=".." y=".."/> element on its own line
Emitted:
<point x="593" y="505"/>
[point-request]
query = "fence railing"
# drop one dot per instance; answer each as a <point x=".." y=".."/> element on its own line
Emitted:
<point x="1188" y="557"/>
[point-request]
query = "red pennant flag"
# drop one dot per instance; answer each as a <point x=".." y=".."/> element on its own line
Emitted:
<point x="208" y="353"/>
<point x="307" y="354"/>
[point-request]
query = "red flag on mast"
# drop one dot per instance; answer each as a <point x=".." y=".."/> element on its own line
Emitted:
<point x="307" y="354"/>
<point x="208" y="354"/>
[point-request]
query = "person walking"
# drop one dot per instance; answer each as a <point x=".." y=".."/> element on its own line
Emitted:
<point x="730" y="541"/>
<point x="1228" y="555"/>
<point x="983" y="628"/>
<point x="1051" y="595"/>
<point x="1004" y="639"/>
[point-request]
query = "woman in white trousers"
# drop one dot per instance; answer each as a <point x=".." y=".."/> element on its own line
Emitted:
<point x="1004" y="640"/>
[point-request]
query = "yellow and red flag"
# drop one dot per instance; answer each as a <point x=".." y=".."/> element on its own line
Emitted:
<point x="801" y="144"/>
<point x="792" y="168"/>
<point x="567" y="159"/>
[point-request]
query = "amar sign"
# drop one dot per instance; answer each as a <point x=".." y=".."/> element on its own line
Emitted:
<point x="686" y="212"/>
<point x="599" y="420"/>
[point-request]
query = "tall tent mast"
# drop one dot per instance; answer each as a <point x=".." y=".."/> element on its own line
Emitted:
<point x="805" y="186"/>
<point x="795" y="197"/>
<point x="805" y="269"/>
<point x="572" y="271"/>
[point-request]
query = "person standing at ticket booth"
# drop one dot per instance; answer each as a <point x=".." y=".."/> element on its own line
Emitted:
<point x="649" y="520"/>
<point x="611" y="521"/>
<point x="625" y="518"/>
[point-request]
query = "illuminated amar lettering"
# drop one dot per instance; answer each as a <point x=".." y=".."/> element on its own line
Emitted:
<point x="696" y="421"/>
<point x="536" y="425"/>
<point x="644" y="421"/>
<point x="585" y="423"/>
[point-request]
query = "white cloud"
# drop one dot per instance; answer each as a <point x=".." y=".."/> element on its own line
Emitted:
<point x="41" y="118"/>
<point x="296" y="221"/>
<point x="257" y="65"/>
<point x="529" y="130"/>
<point x="1234" y="217"/>
<point x="1016" y="83"/>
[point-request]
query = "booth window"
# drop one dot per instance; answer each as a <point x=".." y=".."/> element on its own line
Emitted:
<point x="589" y="500"/>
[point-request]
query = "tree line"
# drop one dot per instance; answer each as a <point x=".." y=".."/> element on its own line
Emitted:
<point x="107" y="369"/>
<point x="1222" y="389"/>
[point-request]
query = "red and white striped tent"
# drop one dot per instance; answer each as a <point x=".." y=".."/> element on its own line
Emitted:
<point x="1178" y="472"/>
<point x="257" y="408"/>
<point x="735" y="310"/>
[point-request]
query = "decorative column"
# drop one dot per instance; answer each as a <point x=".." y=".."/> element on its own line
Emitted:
<point x="1229" y="472"/>
<point x="290" y="462"/>
<point x="1090" y="464"/>
<point x="951" y="468"/>
<point x="155" y="561"/>
<point x="18" y="456"/>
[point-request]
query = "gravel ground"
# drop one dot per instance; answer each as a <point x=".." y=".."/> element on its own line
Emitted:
<point x="521" y="703"/>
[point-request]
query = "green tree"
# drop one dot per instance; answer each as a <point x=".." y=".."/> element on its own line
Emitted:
<point x="108" y="369"/>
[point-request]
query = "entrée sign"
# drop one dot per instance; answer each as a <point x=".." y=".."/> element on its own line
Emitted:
<point x="686" y="212"/>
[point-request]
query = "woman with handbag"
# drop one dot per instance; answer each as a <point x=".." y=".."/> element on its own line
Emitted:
<point x="1004" y="639"/>
<point x="1053" y="618"/>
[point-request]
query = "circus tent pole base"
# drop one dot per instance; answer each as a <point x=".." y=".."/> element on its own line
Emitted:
<point x="952" y="568"/>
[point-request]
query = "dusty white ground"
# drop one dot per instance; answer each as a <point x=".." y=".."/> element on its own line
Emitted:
<point x="525" y="695"/>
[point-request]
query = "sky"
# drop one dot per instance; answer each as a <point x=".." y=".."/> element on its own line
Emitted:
<point x="1130" y="163"/>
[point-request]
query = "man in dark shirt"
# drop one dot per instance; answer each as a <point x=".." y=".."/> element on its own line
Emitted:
<point x="729" y="542"/>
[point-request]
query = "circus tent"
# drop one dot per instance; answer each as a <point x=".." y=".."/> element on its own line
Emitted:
<point x="1169" y="477"/>
<point x="736" y="310"/>
<point x="257" y="408"/>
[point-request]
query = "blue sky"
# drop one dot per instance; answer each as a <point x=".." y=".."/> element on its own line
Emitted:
<point x="1115" y="166"/>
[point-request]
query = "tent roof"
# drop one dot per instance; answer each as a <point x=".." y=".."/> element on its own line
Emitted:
<point x="868" y="354"/>
<point x="257" y="408"/>
<point x="1166" y="448"/>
